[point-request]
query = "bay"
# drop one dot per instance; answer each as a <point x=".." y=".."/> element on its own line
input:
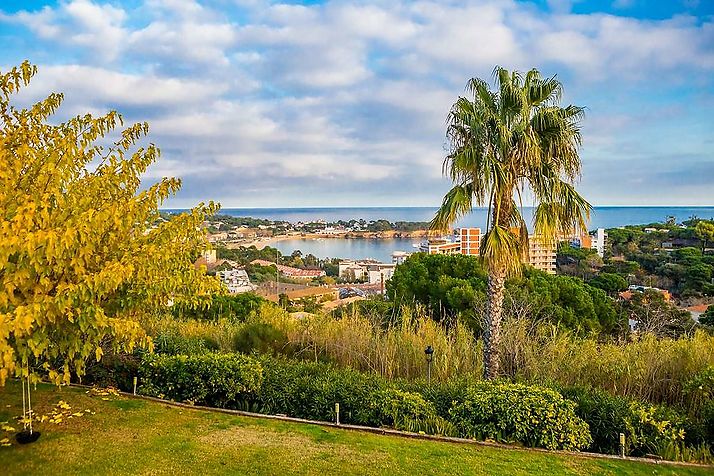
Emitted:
<point x="602" y="217"/>
<point x="356" y="248"/>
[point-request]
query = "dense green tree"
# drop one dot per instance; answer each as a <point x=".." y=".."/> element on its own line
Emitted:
<point x="447" y="285"/>
<point x="609" y="282"/>
<point x="456" y="285"/>
<point x="237" y="307"/>
<point x="502" y="142"/>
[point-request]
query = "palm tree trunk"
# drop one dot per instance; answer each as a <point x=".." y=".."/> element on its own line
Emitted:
<point x="494" y="314"/>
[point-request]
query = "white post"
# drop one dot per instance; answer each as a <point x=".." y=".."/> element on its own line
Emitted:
<point x="337" y="413"/>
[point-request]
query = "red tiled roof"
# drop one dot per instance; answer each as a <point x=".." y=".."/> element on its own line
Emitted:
<point x="698" y="308"/>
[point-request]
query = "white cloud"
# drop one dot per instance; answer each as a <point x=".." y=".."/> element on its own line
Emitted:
<point x="98" y="86"/>
<point x="351" y="97"/>
<point x="83" y="23"/>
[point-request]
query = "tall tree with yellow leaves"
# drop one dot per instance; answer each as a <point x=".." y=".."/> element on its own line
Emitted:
<point x="84" y="253"/>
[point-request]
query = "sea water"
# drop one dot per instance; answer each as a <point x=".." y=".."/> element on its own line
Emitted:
<point x="381" y="249"/>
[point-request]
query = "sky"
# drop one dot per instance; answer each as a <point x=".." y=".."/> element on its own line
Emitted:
<point x="258" y="103"/>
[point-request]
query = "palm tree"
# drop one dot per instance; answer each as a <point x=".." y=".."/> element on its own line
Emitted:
<point x="504" y="144"/>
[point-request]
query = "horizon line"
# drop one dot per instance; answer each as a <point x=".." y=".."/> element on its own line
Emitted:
<point x="345" y="207"/>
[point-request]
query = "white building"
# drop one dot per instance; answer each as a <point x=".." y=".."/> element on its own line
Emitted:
<point x="380" y="273"/>
<point x="370" y="270"/>
<point x="236" y="280"/>
<point x="399" y="257"/>
<point x="598" y="241"/>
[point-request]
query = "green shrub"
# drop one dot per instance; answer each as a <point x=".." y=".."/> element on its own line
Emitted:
<point x="700" y="388"/>
<point x="396" y="407"/>
<point x="310" y="390"/>
<point x="531" y="415"/>
<point x="653" y="428"/>
<point x="261" y="338"/>
<point x="606" y="415"/>
<point x="647" y="428"/>
<point x="443" y="395"/>
<point x="220" y="380"/>
<point x="707" y="419"/>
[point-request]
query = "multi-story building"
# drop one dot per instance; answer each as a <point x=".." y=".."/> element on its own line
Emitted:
<point x="598" y="241"/>
<point x="467" y="241"/>
<point x="372" y="271"/>
<point x="440" y="247"/>
<point x="541" y="254"/>
<point x="470" y="240"/>
<point x="380" y="273"/>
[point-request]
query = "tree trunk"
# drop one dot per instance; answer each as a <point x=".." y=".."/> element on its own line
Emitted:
<point x="494" y="314"/>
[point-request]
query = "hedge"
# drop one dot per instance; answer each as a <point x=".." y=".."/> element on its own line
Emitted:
<point x="530" y="415"/>
<point x="220" y="380"/>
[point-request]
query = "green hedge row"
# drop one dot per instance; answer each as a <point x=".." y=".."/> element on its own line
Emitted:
<point x="309" y="390"/>
<point x="218" y="380"/>
<point x="506" y="412"/>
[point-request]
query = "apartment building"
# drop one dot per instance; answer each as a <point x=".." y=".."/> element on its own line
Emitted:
<point x="470" y="240"/>
<point x="541" y="254"/>
<point x="598" y="241"/>
<point x="374" y="272"/>
<point x="467" y="241"/>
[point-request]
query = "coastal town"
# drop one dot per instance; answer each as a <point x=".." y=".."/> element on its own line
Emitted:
<point x="332" y="282"/>
<point x="317" y="237"/>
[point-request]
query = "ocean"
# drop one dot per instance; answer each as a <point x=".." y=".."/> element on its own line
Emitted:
<point x="602" y="217"/>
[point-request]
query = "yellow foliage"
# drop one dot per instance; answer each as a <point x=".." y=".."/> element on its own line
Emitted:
<point x="84" y="252"/>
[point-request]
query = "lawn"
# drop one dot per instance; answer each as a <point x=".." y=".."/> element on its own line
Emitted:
<point x="130" y="436"/>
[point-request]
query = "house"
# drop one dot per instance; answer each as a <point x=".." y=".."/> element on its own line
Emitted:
<point x="697" y="311"/>
<point x="635" y="288"/>
<point x="236" y="280"/>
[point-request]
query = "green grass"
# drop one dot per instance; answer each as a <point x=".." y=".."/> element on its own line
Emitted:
<point x="128" y="436"/>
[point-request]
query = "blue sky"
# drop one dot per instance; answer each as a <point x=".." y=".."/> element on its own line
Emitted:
<point x="259" y="103"/>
